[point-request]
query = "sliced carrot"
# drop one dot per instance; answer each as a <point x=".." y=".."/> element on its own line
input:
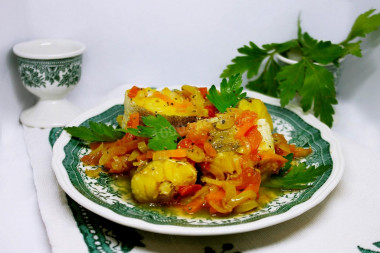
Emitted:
<point x="134" y="120"/>
<point x="185" y="190"/>
<point x="163" y="154"/>
<point x="215" y="196"/>
<point x="111" y="152"/>
<point x="194" y="206"/>
<point x="209" y="149"/>
<point x="129" y="146"/>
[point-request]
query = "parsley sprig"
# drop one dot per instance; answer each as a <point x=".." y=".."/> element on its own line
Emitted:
<point x="230" y="93"/>
<point x="295" y="177"/>
<point x="162" y="135"/>
<point x="308" y="78"/>
<point x="96" y="132"/>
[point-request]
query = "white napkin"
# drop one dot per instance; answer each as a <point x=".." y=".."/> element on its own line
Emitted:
<point x="346" y="221"/>
<point x="63" y="233"/>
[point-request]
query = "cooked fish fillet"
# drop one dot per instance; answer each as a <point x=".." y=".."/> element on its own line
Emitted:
<point x="178" y="107"/>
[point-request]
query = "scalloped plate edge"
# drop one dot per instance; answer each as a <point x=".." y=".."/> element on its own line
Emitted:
<point x="317" y="197"/>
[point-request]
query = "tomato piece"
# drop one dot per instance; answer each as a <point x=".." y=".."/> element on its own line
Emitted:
<point x="133" y="91"/>
<point x="211" y="110"/>
<point x="91" y="159"/>
<point x="185" y="143"/>
<point x="203" y="91"/>
<point x="299" y="152"/>
<point x="204" y="166"/>
<point x="250" y="178"/>
<point x="245" y="122"/>
<point x="185" y="190"/>
<point x="254" y="137"/>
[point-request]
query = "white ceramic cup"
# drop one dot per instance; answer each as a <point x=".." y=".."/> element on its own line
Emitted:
<point x="49" y="69"/>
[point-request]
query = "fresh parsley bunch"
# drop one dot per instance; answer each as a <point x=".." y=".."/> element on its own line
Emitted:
<point x="309" y="78"/>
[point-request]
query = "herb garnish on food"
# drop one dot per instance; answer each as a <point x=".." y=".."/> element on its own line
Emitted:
<point x="161" y="133"/>
<point x="295" y="177"/>
<point x="96" y="132"/>
<point x="309" y="78"/>
<point x="230" y="93"/>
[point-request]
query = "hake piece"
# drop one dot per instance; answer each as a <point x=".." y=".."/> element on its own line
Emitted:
<point x="178" y="106"/>
<point x="159" y="180"/>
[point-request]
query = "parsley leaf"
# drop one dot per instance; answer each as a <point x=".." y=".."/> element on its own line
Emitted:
<point x="364" y="24"/>
<point x="291" y="79"/>
<point x="161" y="133"/>
<point x="281" y="47"/>
<point x="318" y="91"/>
<point x="96" y="132"/>
<point x="287" y="165"/>
<point x="250" y="62"/>
<point x="267" y="82"/>
<point x="353" y="48"/>
<point x="308" y="77"/>
<point x="323" y="52"/>
<point x="315" y="85"/>
<point x="299" y="177"/>
<point x="230" y="93"/>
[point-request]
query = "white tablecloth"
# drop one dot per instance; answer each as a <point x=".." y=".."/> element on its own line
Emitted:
<point x="346" y="221"/>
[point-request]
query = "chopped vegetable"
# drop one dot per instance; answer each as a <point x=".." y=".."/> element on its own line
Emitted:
<point x="189" y="189"/>
<point x="133" y="92"/>
<point x="165" y="154"/>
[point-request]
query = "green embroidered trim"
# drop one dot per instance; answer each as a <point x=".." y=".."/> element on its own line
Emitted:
<point x="99" y="234"/>
<point x="225" y="248"/>
<point x="363" y="250"/>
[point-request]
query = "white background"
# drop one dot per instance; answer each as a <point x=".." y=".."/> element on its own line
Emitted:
<point x="163" y="43"/>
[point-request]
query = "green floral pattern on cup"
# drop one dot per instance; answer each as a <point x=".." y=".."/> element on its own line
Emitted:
<point x="40" y="73"/>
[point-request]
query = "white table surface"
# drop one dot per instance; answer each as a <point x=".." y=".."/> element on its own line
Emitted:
<point x="357" y="115"/>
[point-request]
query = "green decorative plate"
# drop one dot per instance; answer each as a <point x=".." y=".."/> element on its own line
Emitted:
<point x="99" y="196"/>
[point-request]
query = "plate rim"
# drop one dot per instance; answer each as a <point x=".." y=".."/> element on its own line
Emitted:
<point x="334" y="178"/>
